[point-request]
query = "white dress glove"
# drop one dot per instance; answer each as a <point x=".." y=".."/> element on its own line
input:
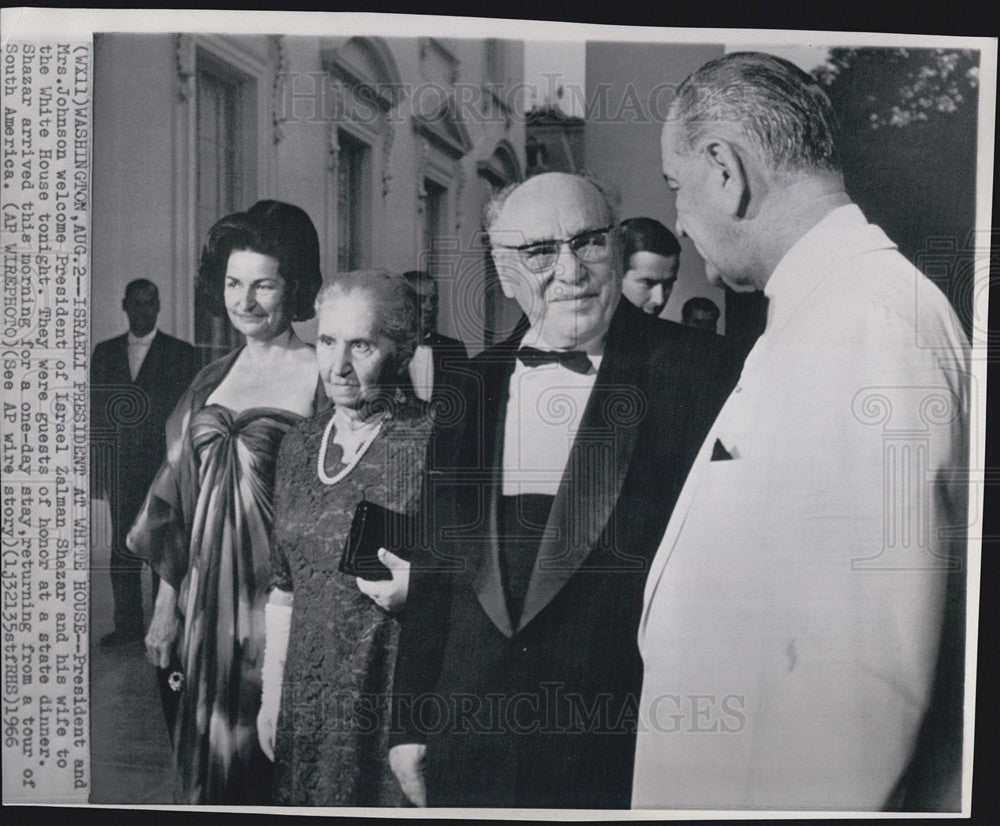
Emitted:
<point x="277" y="628"/>
<point x="407" y="763"/>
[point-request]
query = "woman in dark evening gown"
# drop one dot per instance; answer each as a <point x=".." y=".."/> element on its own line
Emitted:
<point x="205" y="525"/>
<point x="341" y="632"/>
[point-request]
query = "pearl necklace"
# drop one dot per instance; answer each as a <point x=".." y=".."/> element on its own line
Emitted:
<point x="324" y="477"/>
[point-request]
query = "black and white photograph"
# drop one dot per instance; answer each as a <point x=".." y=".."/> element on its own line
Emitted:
<point x="476" y="415"/>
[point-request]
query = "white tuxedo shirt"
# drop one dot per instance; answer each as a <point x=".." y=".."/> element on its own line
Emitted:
<point x="793" y="610"/>
<point x="138" y="348"/>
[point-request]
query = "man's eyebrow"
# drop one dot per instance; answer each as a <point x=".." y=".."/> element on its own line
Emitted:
<point x="550" y="238"/>
<point x="511" y="238"/>
<point x="524" y="239"/>
<point x="526" y="242"/>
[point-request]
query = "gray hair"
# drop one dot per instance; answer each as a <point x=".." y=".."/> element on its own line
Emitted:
<point x="781" y="111"/>
<point x="493" y="207"/>
<point x="396" y="305"/>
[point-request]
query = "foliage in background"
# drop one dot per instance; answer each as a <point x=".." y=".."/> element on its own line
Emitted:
<point x="908" y="120"/>
<point x="898" y="87"/>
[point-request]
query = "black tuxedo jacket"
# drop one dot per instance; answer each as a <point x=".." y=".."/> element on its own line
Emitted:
<point x="127" y="418"/>
<point x="449" y="358"/>
<point x="448" y="353"/>
<point x="543" y="712"/>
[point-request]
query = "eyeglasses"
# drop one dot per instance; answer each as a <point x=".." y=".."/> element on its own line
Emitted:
<point x="590" y="247"/>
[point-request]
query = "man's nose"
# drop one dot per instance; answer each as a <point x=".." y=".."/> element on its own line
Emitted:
<point x="568" y="266"/>
<point x="657" y="294"/>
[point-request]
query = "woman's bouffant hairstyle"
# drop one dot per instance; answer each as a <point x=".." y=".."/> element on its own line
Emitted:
<point x="281" y="231"/>
<point x="396" y="305"/>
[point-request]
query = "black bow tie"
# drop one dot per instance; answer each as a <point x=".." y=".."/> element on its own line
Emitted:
<point x="575" y="360"/>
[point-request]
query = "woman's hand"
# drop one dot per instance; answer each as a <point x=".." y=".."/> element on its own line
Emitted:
<point x="388" y="594"/>
<point x="163" y="627"/>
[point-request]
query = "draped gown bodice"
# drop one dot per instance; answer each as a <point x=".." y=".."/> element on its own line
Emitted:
<point x="222" y="598"/>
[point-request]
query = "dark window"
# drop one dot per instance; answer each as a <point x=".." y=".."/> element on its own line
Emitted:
<point x="435" y="211"/>
<point x="219" y="146"/>
<point x="352" y="202"/>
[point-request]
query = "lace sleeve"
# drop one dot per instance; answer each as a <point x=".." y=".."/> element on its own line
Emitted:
<point x="284" y="485"/>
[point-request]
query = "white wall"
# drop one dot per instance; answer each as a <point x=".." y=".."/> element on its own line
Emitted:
<point x="622" y="140"/>
<point x="136" y="106"/>
<point x="133" y="177"/>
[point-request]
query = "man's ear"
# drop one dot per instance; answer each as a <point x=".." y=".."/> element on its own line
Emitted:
<point x="728" y="171"/>
<point x="617" y="257"/>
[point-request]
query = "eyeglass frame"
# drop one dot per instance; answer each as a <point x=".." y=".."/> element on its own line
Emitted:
<point x="609" y="230"/>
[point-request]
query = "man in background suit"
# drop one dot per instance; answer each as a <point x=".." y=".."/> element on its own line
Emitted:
<point x="437" y="354"/>
<point x="136" y="379"/>
<point x="701" y="312"/>
<point x="652" y="259"/>
<point x="805" y="604"/>
<point x="517" y="676"/>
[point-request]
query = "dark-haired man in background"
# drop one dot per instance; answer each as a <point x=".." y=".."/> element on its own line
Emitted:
<point x="136" y="380"/>
<point x="437" y="354"/>
<point x="700" y="312"/>
<point x="652" y="257"/>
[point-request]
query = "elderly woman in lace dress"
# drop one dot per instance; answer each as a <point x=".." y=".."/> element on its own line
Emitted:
<point x="331" y="638"/>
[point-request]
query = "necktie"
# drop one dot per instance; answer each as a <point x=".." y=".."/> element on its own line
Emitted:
<point x="574" y="360"/>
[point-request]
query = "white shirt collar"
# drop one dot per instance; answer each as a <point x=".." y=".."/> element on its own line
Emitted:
<point x="141" y="341"/>
<point x="809" y="260"/>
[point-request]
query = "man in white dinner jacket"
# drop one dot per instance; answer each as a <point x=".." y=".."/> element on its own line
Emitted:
<point x="802" y="624"/>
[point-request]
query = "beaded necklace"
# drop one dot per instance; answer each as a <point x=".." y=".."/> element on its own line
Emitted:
<point x="324" y="477"/>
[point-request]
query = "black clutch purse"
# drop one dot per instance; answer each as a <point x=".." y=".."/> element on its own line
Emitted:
<point x="374" y="527"/>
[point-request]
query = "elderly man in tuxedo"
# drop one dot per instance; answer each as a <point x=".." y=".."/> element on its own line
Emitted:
<point x="803" y="611"/>
<point x="518" y="671"/>
<point x="136" y="379"/>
